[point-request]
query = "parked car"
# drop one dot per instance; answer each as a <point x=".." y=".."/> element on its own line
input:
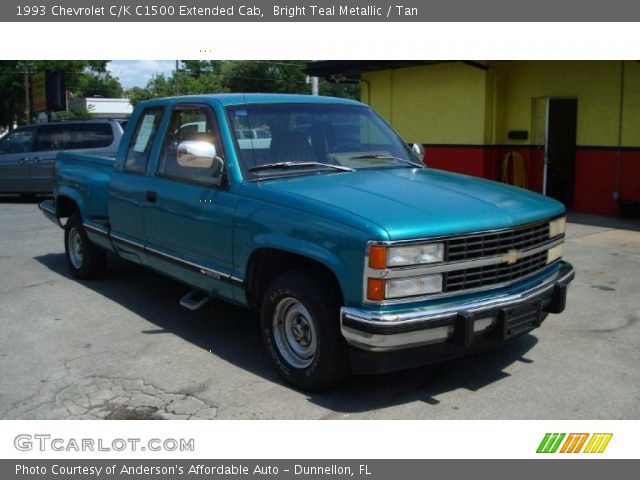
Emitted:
<point x="358" y="258"/>
<point x="27" y="154"/>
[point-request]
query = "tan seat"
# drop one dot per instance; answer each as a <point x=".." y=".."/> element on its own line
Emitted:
<point x="290" y="146"/>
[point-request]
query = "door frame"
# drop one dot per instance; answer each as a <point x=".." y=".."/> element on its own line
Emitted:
<point x="547" y="103"/>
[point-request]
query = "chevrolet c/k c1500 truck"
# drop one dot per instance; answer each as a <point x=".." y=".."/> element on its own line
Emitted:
<point x="315" y="213"/>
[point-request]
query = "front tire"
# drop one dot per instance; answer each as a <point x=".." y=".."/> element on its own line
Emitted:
<point x="300" y="328"/>
<point x="85" y="260"/>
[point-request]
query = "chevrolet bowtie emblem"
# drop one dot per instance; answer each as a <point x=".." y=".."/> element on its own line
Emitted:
<point x="512" y="257"/>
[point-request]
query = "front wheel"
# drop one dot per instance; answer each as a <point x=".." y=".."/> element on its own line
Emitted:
<point x="84" y="259"/>
<point x="300" y="329"/>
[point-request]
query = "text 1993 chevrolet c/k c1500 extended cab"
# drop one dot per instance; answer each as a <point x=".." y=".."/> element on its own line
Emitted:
<point x="315" y="213"/>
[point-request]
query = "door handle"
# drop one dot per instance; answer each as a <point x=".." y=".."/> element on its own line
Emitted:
<point x="151" y="196"/>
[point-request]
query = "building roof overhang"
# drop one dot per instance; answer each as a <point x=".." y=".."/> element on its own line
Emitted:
<point x="350" y="70"/>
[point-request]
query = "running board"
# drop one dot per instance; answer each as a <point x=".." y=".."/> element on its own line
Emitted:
<point x="194" y="300"/>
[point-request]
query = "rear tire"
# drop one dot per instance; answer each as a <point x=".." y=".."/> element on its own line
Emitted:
<point x="85" y="260"/>
<point x="301" y="331"/>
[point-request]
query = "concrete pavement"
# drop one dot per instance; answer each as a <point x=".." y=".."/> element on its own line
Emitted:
<point x="122" y="347"/>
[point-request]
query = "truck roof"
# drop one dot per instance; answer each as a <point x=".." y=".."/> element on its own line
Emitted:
<point x="228" y="99"/>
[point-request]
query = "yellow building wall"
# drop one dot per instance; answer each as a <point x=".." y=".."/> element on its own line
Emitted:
<point x="454" y="103"/>
<point x="431" y="104"/>
<point x="377" y="91"/>
<point x="631" y="109"/>
<point x="595" y="84"/>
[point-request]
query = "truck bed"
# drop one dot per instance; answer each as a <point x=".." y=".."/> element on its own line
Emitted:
<point x="84" y="178"/>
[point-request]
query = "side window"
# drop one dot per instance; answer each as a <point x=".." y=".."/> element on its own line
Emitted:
<point x="54" y="137"/>
<point x="192" y="150"/>
<point x="18" y="141"/>
<point x="93" y="135"/>
<point x="142" y="140"/>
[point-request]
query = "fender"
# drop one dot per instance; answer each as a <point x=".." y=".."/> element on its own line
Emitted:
<point x="341" y="269"/>
<point x="68" y="192"/>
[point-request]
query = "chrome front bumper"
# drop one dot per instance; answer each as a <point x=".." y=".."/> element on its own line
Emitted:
<point x="501" y="315"/>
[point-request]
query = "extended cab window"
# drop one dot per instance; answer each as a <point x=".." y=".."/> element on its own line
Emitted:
<point x="192" y="150"/>
<point x="142" y="140"/>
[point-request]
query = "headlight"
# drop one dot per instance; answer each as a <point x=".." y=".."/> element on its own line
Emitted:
<point x="416" y="254"/>
<point x="413" y="286"/>
<point x="557" y="226"/>
<point x="555" y="253"/>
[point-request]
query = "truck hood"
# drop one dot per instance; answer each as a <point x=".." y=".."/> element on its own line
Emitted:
<point x="417" y="203"/>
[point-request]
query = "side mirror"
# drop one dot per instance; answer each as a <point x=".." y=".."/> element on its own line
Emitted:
<point x="196" y="154"/>
<point x="418" y="151"/>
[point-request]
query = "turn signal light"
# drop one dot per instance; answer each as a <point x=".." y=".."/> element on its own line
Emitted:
<point x="377" y="256"/>
<point x="375" y="289"/>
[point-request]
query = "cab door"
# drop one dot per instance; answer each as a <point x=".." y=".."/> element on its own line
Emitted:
<point x="15" y="155"/>
<point x="189" y="208"/>
<point x="129" y="185"/>
<point x="49" y="141"/>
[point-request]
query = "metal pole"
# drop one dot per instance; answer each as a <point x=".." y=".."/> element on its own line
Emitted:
<point x="546" y="148"/>
<point x="176" y="78"/>
<point x="616" y="194"/>
<point x="315" y="87"/>
<point x="27" y="103"/>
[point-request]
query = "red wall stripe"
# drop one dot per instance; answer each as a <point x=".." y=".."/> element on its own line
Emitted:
<point x="594" y="175"/>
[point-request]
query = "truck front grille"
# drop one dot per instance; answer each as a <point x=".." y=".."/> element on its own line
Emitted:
<point x="497" y="243"/>
<point x="479" y="277"/>
<point x="481" y="261"/>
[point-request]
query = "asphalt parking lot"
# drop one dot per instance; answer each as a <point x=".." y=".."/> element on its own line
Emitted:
<point x="122" y="347"/>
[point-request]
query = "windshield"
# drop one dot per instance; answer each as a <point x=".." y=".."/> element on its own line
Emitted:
<point x="303" y="139"/>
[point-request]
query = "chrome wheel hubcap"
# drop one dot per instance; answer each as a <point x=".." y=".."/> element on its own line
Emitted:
<point x="294" y="333"/>
<point x="75" y="248"/>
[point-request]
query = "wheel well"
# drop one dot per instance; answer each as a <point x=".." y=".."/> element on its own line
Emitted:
<point x="267" y="263"/>
<point x="65" y="206"/>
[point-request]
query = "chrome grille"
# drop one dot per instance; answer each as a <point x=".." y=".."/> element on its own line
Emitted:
<point x="497" y="243"/>
<point x="479" y="277"/>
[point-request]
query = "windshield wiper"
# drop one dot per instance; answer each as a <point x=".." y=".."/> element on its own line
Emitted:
<point x="284" y="165"/>
<point x="384" y="156"/>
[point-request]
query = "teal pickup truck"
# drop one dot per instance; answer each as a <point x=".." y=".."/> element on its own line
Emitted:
<point x="313" y="212"/>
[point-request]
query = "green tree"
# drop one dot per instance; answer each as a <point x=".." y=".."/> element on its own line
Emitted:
<point x="195" y="68"/>
<point x="98" y="85"/>
<point x="73" y="115"/>
<point x="184" y="82"/>
<point x="276" y="76"/>
<point x="11" y="93"/>
<point x="81" y="77"/>
<point x="261" y="76"/>
<point x="90" y="78"/>
<point x="345" y="90"/>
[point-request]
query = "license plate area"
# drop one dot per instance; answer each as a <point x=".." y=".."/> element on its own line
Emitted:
<point x="513" y="322"/>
